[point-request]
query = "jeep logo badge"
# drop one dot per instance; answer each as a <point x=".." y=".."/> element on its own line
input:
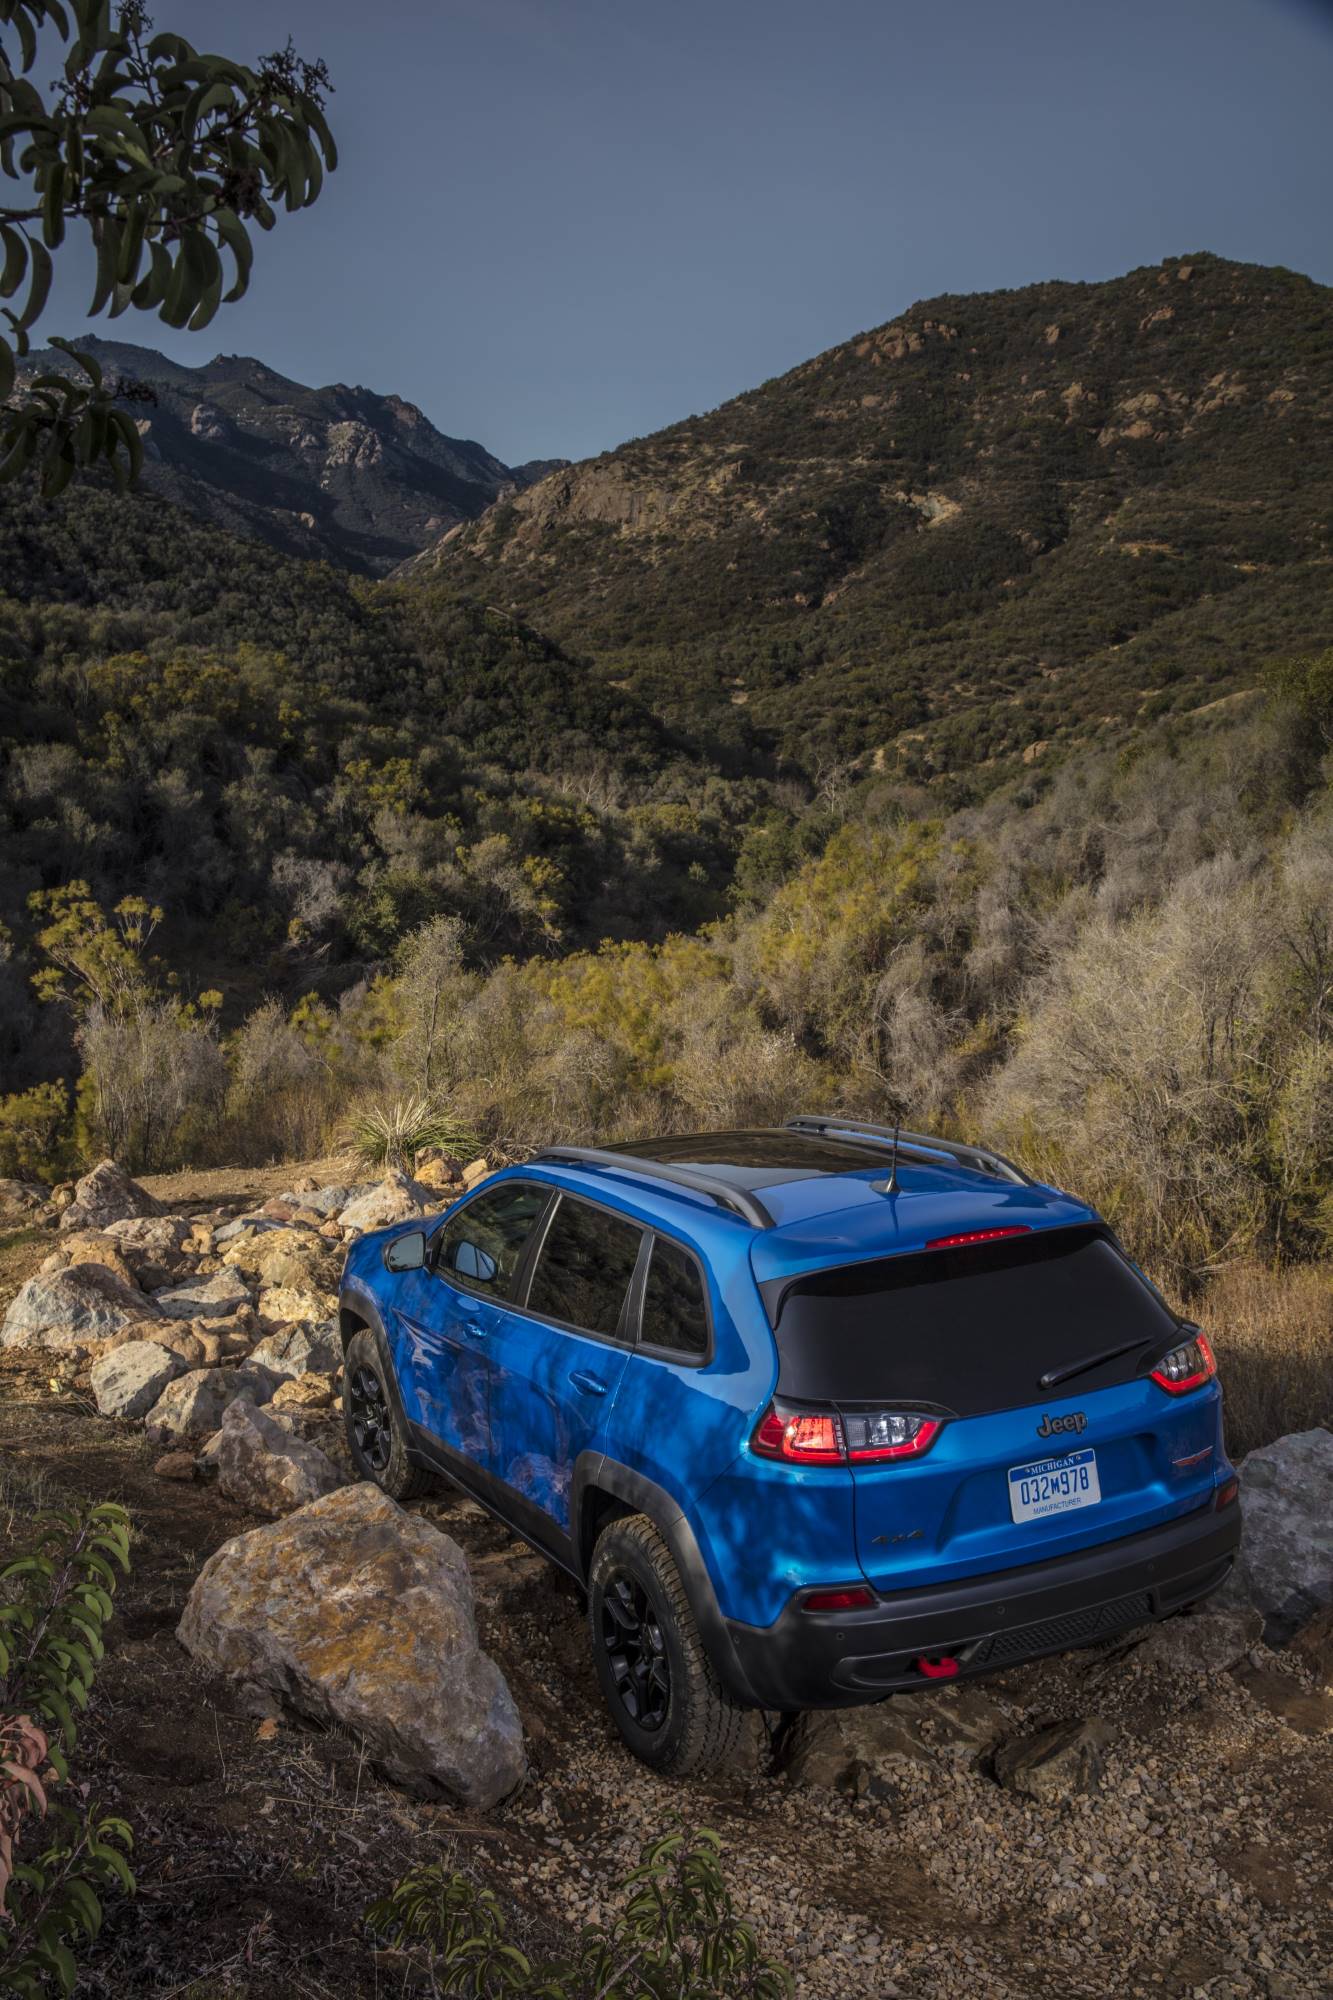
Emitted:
<point x="1052" y="1426"/>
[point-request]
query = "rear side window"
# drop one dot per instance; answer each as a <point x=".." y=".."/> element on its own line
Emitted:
<point x="584" y="1267"/>
<point x="675" y="1315"/>
<point x="972" y="1329"/>
<point x="481" y="1247"/>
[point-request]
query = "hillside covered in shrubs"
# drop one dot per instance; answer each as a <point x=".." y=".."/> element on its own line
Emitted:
<point x="999" y="520"/>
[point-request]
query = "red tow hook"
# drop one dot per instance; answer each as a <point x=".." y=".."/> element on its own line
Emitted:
<point x="942" y="1669"/>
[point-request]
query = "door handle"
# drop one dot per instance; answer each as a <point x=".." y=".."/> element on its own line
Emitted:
<point x="592" y="1384"/>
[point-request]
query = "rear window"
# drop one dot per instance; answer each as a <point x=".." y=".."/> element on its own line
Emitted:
<point x="675" y="1316"/>
<point x="971" y="1329"/>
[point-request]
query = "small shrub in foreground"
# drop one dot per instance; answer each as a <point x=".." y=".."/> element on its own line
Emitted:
<point x="676" y="1937"/>
<point x="55" y="1601"/>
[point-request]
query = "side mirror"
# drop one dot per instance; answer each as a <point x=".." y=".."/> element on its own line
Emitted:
<point x="471" y="1261"/>
<point x="406" y="1253"/>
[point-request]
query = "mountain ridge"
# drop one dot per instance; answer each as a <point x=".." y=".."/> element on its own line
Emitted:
<point x="989" y="512"/>
<point x="341" y="473"/>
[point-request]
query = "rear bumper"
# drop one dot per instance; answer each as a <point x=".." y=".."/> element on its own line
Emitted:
<point x="835" y="1660"/>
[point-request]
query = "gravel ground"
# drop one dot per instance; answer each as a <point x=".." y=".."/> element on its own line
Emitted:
<point x="1201" y="1867"/>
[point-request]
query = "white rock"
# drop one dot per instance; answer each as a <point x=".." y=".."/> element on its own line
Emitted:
<point x="128" y="1381"/>
<point x="215" y="1297"/>
<point x="312" y="1349"/>
<point x="73" y="1308"/>
<point x="1285" y="1566"/>
<point x="106" y="1195"/>
<point x="262" y="1464"/>
<point x="193" y="1405"/>
<point x="393" y="1200"/>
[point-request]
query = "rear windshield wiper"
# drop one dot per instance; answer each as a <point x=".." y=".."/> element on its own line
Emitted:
<point x="1055" y="1375"/>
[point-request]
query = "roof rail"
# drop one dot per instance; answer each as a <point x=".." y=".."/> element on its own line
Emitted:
<point x="980" y="1158"/>
<point x="739" y="1200"/>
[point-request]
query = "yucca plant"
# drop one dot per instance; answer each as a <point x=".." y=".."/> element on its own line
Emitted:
<point x="55" y="1601"/>
<point x="388" y="1133"/>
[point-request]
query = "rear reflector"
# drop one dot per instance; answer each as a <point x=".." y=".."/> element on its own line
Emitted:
<point x="1186" y="1367"/>
<point x="978" y="1236"/>
<point x="854" y="1598"/>
<point x="1226" y="1493"/>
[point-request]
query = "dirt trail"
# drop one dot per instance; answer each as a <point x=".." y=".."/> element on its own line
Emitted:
<point x="1203" y="1866"/>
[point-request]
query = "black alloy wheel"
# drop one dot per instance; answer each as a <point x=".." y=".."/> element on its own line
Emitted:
<point x="636" y="1651"/>
<point x="368" y="1411"/>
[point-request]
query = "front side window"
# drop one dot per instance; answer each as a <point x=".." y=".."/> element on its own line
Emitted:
<point x="481" y="1248"/>
<point x="584" y="1267"/>
<point x="675" y="1316"/>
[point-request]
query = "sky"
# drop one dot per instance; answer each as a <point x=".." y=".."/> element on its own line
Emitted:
<point x="558" y="224"/>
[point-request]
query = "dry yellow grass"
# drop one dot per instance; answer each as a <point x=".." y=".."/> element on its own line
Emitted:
<point x="1272" y="1332"/>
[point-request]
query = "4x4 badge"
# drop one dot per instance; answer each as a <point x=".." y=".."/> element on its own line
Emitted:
<point x="1050" y="1426"/>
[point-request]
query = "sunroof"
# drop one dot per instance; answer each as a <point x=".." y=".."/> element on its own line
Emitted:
<point x="765" y="1154"/>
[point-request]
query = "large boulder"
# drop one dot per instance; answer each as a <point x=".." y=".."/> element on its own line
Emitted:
<point x="394" y="1199"/>
<point x="193" y="1405"/>
<point x="265" y="1465"/>
<point x="314" y="1348"/>
<point x="857" y="1749"/>
<point x="105" y="1195"/>
<point x="1285" y="1565"/>
<point x="215" y="1297"/>
<point x="72" y="1308"/>
<point x="128" y="1381"/>
<point x="353" y="1612"/>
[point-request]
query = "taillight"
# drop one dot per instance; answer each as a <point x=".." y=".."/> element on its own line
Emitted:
<point x="824" y="1437"/>
<point x="978" y="1236"/>
<point x="1188" y="1366"/>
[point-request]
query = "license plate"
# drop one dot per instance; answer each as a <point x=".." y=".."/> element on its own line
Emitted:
<point x="1054" y="1486"/>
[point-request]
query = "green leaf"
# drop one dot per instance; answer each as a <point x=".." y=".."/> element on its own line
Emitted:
<point x="40" y="284"/>
<point x="16" y="259"/>
<point x="232" y="232"/>
<point x="92" y="369"/>
<point x="108" y="252"/>
<point x="53" y="206"/>
<point x="209" y="300"/>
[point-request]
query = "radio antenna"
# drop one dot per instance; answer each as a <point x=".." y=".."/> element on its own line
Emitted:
<point x="892" y="1187"/>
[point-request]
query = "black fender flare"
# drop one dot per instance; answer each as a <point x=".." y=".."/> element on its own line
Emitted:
<point x="594" y="1472"/>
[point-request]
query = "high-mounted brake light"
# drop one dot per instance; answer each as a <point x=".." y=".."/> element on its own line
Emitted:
<point x="978" y="1236"/>
<point x="1188" y="1366"/>
<point x="846" y="1437"/>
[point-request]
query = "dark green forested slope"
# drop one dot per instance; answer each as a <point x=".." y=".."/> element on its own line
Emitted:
<point x="298" y="767"/>
<point x="998" y="520"/>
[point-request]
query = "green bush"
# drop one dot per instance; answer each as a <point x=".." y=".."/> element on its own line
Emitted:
<point x="676" y="1937"/>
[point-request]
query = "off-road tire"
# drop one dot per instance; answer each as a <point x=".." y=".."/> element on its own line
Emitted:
<point x="397" y="1476"/>
<point x="704" y="1727"/>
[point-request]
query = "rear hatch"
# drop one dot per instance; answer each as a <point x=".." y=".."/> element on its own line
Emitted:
<point x="1029" y="1350"/>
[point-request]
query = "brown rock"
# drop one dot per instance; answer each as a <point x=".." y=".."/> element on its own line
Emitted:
<point x="107" y="1194"/>
<point x="1056" y="1763"/>
<point x="175" y="1465"/>
<point x="475" y="1170"/>
<point x="304" y="1392"/>
<point x="90" y="1246"/>
<point x="178" y="1339"/>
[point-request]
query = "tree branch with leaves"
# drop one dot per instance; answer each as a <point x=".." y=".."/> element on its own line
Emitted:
<point x="171" y="159"/>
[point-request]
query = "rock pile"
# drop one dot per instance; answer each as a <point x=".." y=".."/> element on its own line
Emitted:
<point x="193" y="1324"/>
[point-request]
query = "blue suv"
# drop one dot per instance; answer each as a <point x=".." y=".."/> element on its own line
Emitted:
<point x="813" y="1415"/>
